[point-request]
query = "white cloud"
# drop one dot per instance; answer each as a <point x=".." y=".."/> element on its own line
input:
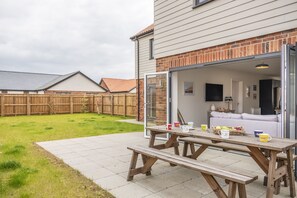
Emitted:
<point x="60" y="36"/>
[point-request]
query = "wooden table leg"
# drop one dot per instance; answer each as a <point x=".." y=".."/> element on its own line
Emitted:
<point x="232" y="190"/>
<point x="152" y="139"/>
<point x="185" y="150"/>
<point x="242" y="191"/>
<point x="271" y="175"/>
<point x="291" y="173"/>
<point x="144" y="160"/>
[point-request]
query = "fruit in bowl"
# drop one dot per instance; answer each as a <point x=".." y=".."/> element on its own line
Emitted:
<point x="238" y="130"/>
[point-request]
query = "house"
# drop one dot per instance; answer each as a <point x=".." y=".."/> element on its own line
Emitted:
<point x="116" y="85"/>
<point x="243" y="50"/>
<point x="12" y="82"/>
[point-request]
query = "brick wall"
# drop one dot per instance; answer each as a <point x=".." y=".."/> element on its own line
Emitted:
<point x="248" y="47"/>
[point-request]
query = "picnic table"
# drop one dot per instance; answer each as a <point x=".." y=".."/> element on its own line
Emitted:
<point x="266" y="163"/>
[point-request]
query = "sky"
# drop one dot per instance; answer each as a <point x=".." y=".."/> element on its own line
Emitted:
<point x="63" y="36"/>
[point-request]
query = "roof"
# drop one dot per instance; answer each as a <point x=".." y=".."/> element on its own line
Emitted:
<point x="147" y="30"/>
<point x="26" y="81"/>
<point x="116" y="85"/>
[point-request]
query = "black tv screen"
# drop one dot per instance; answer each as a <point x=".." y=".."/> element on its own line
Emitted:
<point x="213" y="92"/>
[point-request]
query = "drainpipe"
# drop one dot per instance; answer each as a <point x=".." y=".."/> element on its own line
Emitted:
<point x="138" y="87"/>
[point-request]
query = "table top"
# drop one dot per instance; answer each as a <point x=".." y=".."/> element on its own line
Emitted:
<point x="276" y="144"/>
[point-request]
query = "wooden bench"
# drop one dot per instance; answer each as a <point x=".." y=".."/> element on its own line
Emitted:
<point x="190" y="141"/>
<point x="151" y="155"/>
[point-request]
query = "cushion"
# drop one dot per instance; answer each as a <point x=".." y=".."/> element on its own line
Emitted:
<point x="219" y="114"/>
<point x="247" y="116"/>
<point x="225" y="115"/>
<point x="235" y="115"/>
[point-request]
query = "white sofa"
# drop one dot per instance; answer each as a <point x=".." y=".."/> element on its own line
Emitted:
<point x="268" y="123"/>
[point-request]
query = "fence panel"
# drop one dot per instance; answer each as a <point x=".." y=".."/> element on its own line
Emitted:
<point x="113" y="104"/>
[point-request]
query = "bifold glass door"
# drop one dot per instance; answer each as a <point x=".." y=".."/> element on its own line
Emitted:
<point x="155" y="100"/>
<point x="289" y="91"/>
<point x="289" y="94"/>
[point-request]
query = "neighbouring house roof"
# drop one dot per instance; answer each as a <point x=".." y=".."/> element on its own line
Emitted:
<point x="147" y="30"/>
<point x="115" y="85"/>
<point x="26" y="81"/>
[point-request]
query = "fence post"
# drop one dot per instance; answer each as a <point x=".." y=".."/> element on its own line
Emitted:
<point x="93" y="104"/>
<point x="90" y="103"/>
<point x="51" y="104"/>
<point x="13" y="107"/>
<point x="28" y="105"/>
<point x="102" y="104"/>
<point x="125" y="105"/>
<point x="112" y="105"/>
<point x="2" y="105"/>
<point x="71" y="104"/>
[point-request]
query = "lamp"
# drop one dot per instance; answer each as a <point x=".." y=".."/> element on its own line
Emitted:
<point x="228" y="99"/>
<point x="262" y="66"/>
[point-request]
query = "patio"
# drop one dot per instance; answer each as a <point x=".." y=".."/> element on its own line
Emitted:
<point x="105" y="160"/>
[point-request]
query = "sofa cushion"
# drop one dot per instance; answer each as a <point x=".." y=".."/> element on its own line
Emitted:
<point x="225" y="115"/>
<point x="272" y="118"/>
<point x="235" y="115"/>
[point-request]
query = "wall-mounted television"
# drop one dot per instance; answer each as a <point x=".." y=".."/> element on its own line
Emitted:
<point x="213" y="92"/>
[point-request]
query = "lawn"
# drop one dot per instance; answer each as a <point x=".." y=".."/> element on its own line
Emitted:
<point x="28" y="171"/>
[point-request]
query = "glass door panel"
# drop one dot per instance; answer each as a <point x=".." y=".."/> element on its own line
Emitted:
<point x="289" y="68"/>
<point x="289" y="91"/>
<point x="155" y="100"/>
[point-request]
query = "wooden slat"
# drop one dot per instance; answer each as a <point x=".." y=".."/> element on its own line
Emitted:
<point x="193" y="164"/>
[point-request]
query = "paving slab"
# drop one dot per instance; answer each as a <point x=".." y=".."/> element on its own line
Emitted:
<point x="105" y="160"/>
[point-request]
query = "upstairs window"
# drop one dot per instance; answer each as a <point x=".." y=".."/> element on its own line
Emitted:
<point x="151" y="48"/>
<point x="198" y="3"/>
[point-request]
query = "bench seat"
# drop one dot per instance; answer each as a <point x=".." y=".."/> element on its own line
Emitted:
<point x="151" y="155"/>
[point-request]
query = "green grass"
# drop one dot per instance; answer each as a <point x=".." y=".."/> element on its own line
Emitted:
<point x="28" y="171"/>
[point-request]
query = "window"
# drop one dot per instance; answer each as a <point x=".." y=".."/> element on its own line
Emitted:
<point x="198" y="3"/>
<point x="151" y="48"/>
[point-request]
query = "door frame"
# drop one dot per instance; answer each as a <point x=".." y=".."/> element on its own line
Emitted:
<point x="167" y="100"/>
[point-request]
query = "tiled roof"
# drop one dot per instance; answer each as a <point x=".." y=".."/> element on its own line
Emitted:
<point x="146" y="30"/>
<point x="116" y="85"/>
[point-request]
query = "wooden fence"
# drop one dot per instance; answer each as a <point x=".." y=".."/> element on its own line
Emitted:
<point x="113" y="104"/>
